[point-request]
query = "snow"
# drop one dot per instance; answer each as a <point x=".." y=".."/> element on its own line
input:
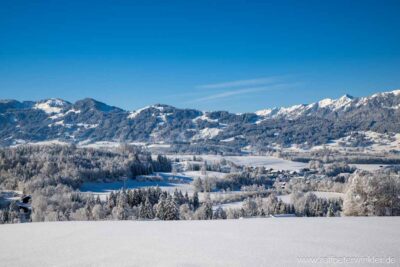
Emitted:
<point x="327" y="195"/>
<point x="267" y="161"/>
<point x="160" y="145"/>
<point x="207" y="133"/>
<point x="286" y="198"/>
<point x="325" y="102"/>
<point x="100" y="144"/>
<point x="50" y="106"/>
<point x="204" y="117"/>
<point x="87" y="126"/>
<point x="194" y="174"/>
<point x="42" y="143"/>
<point x="254" y="161"/>
<point x="293" y="111"/>
<point x="115" y="144"/>
<point x="73" y="111"/>
<point x="134" y="114"/>
<point x="247" y="242"/>
<point x="379" y="143"/>
<point x="396" y="92"/>
<point x="297" y="110"/>
<point x="369" y="167"/>
<point x="60" y="115"/>
<point x="364" y="100"/>
<point x="228" y="139"/>
<point x="57" y="116"/>
<point x="344" y="101"/>
<point x="335" y="104"/>
<point x="264" y="112"/>
<point x="231" y="205"/>
<point x="160" y="108"/>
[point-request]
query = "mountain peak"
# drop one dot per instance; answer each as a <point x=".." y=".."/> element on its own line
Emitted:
<point x="90" y="103"/>
<point x="347" y="96"/>
<point x="396" y="92"/>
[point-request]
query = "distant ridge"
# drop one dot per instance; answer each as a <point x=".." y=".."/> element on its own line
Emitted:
<point x="88" y="120"/>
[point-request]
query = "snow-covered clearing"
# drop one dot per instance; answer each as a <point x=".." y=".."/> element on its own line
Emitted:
<point x="320" y="194"/>
<point x="42" y="143"/>
<point x="207" y="133"/>
<point x="369" y="167"/>
<point x="232" y="205"/>
<point x="247" y="242"/>
<point x="50" y="106"/>
<point x="255" y="161"/>
<point x="195" y="174"/>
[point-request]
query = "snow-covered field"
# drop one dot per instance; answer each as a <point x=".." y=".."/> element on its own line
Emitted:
<point x="255" y="161"/>
<point x="369" y="167"/>
<point x="327" y="195"/>
<point x="247" y="242"/>
<point x="195" y="174"/>
<point x="232" y="205"/>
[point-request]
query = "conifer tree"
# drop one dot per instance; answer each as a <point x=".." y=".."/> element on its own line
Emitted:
<point x="160" y="208"/>
<point x="171" y="209"/>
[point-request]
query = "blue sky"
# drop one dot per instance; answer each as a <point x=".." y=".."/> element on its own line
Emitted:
<point x="211" y="55"/>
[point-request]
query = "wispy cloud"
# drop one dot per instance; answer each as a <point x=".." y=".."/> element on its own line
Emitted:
<point x="230" y="89"/>
<point x="240" y="83"/>
<point x="241" y="91"/>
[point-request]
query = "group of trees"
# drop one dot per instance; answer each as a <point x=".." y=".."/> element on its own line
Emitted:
<point x="259" y="176"/>
<point x="198" y="164"/>
<point x="309" y="205"/>
<point x="11" y="214"/>
<point x="28" y="168"/>
<point x="52" y="174"/>
<point x="138" y="204"/>
<point x="325" y="184"/>
<point x="373" y="194"/>
<point x="143" y="204"/>
<point x="331" y="169"/>
<point x="258" y="206"/>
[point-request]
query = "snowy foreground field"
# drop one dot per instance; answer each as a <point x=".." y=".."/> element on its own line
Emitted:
<point x="247" y="242"/>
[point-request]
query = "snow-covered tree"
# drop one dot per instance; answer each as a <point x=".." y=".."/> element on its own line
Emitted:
<point x="171" y="209"/>
<point x="250" y="207"/>
<point x="161" y="208"/>
<point x="219" y="214"/>
<point x="98" y="212"/>
<point x="195" y="200"/>
<point x="205" y="211"/>
<point x="146" y="210"/>
<point x="198" y="184"/>
<point x="185" y="213"/>
<point x="375" y="194"/>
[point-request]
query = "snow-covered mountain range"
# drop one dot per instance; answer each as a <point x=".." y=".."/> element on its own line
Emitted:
<point x="87" y="121"/>
<point x="328" y="105"/>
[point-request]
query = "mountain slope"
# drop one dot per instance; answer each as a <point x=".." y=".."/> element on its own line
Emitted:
<point x="87" y="121"/>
